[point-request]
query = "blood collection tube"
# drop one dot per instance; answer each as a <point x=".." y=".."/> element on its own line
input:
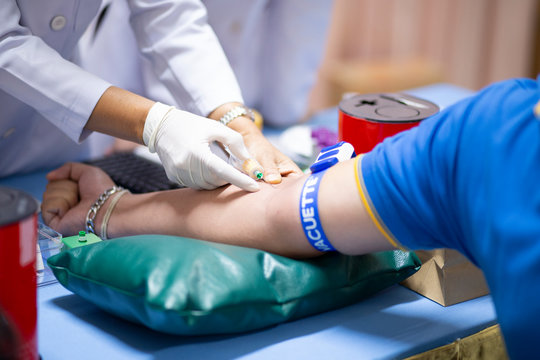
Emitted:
<point x="250" y="166"/>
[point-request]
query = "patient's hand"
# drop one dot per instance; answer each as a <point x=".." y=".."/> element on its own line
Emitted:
<point x="71" y="190"/>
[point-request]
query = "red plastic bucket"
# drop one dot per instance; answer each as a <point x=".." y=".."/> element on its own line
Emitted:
<point x="366" y="120"/>
<point x="18" y="306"/>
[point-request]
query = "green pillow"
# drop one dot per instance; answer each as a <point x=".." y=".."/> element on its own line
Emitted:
<point x="185" y="286"/>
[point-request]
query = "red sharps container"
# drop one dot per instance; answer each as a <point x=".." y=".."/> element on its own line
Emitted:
<point x="18" y="306"/>
<point x="365" y="120"/>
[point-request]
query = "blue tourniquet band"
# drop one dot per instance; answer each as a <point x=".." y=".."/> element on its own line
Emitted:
<point x="309" y="213"/>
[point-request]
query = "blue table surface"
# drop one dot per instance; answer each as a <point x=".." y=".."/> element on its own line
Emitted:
<point x="394" y="323"/>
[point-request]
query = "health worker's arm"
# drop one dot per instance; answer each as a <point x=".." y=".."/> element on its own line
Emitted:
<point x="34" y="69"/>
<point x="187" y="58"/>
<point x="268" y="219"/>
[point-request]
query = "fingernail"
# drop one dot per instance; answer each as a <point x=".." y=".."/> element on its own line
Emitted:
<point x="273" y="178"/>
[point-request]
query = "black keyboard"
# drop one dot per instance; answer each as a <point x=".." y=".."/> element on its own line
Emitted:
<point x="135" y="173"/>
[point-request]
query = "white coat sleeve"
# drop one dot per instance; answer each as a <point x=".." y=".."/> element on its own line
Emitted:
<point x="37" y="75"/>
<point x="185" y="53"/>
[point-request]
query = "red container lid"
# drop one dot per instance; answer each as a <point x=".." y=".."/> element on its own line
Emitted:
<point x="388" y="108"/>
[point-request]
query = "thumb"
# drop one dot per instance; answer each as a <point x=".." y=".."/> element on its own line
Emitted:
<point x="61" y="173"/>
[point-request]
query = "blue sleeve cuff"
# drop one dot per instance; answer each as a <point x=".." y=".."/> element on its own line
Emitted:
<point x="368" y="203"/>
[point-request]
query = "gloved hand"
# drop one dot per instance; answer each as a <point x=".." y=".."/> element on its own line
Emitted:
<point x="182" y="141"/>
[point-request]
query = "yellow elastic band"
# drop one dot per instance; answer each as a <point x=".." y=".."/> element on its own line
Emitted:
<point x="537" y="110"/>
<point x="369" y="208"/>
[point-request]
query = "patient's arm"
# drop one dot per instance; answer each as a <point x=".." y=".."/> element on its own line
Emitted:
<point x="268" y="219"/>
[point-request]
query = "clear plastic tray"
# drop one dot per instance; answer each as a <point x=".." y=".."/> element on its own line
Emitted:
<point x="49" y="244"/>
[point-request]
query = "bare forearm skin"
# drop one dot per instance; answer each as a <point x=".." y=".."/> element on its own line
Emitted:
<point x="268" y="219"/>
<point x="120" y="113"/>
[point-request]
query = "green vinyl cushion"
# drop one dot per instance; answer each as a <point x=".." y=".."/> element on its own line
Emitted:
<point x="185" y="286"/>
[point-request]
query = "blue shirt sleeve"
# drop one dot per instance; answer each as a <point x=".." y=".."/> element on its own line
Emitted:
<point x="407" y="179"/>
<point x="469" y="179"/>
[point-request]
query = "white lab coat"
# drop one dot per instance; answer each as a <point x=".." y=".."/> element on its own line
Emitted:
<point x="46" y="98"/>
<point x="274" y="47"/>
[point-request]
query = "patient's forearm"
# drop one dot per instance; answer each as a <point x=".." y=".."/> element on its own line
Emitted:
<point x="268" y="219"/>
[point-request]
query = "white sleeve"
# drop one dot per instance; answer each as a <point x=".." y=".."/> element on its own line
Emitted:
<point x="185" y="53"/>
<point x="36" y="74"/>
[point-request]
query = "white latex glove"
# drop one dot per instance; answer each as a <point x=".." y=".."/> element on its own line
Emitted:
<point x="182" y="141"/>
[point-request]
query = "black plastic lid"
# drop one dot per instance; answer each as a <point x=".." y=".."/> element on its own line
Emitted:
<point x="388" y="108"/>
<point x="15" y="205"/>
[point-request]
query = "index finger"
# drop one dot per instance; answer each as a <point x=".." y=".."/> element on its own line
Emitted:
<point x="68" y="171"/>
<point x="231" y="175"/>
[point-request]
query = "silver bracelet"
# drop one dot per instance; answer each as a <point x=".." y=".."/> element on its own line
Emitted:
<point x="235" y="112"/>
<point x="92" y="213"/>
